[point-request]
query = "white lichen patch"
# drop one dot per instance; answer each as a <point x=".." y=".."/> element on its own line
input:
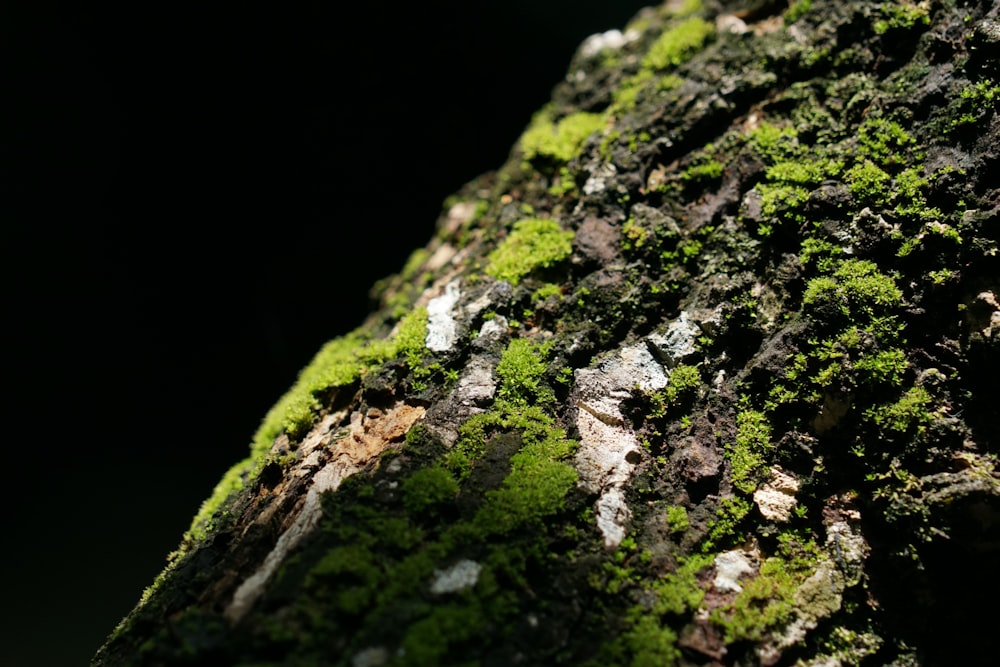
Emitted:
<point x="370" y="434"/>
<point x="776" y="498"/>
<point x="597" y="182"/>
<point x="477" y="384"/>
<point x="677" y="343"/>
<point x="730" y="567"/>
<point x="442" y="331"/>
<point x="460" y="576"/>
<point x="611" y="40"/>
<point x="373" y="656"/>
<point x="612" y="515"/>
<point x="608" y="449"/>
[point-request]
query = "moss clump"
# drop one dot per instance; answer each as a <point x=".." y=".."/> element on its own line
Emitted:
<point x="427" y="488"/>
<point x="767" y="601"/>
<point x="747" y="454"/>
<point x="901" y="16"/>
<point x="856" y="289"/>
<point x="559" y="141"/>
<point x="533" y="243"/>
<point x="677" y="519"/>
<point x="908" y="414"/>
<point x="676" y="46"/>
<point x="521" y="369"/>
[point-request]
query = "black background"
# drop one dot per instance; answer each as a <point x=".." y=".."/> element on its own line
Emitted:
<point x="195" y="198"/>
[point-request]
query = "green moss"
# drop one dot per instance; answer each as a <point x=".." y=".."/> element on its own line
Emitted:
<point x="521" y="368"/>
<point x="868" y="182"/>
<point x="536" y="486"/>
<point x="683" y="381"/>
<point x="774" y="143"/>
<point x="767" y="600"/>
<point x="909" y="414"/>
<point x="648" y="643"/>
<point x="677" y="519"/>
<point x="725" y="528"/>
<point x="427" y="641"/>
<point x="545" y="292"/>
<point x="649" y="639"/>
<point x="796" y="11"/>
<point x="887" y="143"/>
<point x="427" y="488"/>
<point x="687" y="8"/>
<point x="707" y="171"/>
<point x="857" y="289"/>
<point x="532" y="244"/>
<point x="747" y="455"/>
<point x="804" y="172"/>
<point x="678" y="45"/>
<point x="559" y="141"/>
<point x="900" y="16"/>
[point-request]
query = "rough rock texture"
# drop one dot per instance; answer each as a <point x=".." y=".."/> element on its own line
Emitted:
<point x="702" y="376"/>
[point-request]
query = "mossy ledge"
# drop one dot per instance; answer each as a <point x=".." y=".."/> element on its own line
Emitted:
<point x="701" y="375"/>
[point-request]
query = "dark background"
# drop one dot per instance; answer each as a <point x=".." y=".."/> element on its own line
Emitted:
<point x="195" y="198"/>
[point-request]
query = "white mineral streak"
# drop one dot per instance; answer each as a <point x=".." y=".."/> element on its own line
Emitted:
<point x="369" y="435"/>
<point x="463" y="574"/>
<point x="729" y="567"/>
<point x="776" y="498"/>
<point x="442" y="332"/>
<point x="606" y="443"/>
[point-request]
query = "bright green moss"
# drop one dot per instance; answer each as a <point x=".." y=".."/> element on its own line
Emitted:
<point x="901" y="16"/>
<point x="687" y="8"/>
<point x="678" y="45"/>
<point x="559" y="141"/>
<point x="532" y="244"/>
<point x="545" y="292"/>
<point x="535" y="488"/>
<point x="747" y="455"/>
<point x="231" y="482"/>
<point x="707" y="171"/>
<point x="909" y="413"/>
<point x="886" y="142"/>
<point x="677" y="519"/>
<point x="773" y="143"/>
<point x="728" y="516"/>
<point x="427" y="488"/>
<point x="804" y="172"/>
<point x="868" y="182"/>
<point x="410" y="343"/>
<point x="683" y="381"/>
<point x="885" y="367"/>
<point x="521" y="368"/>
<point x="796" y="11"/>
<point x="856" y="288"/>
<point x="627" y="94"/>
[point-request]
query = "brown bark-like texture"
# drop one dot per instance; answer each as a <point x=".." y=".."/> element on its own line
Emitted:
<point x="703" y="375"/>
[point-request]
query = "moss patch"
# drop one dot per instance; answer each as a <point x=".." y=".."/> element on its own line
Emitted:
<point x="533" y="243"/>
